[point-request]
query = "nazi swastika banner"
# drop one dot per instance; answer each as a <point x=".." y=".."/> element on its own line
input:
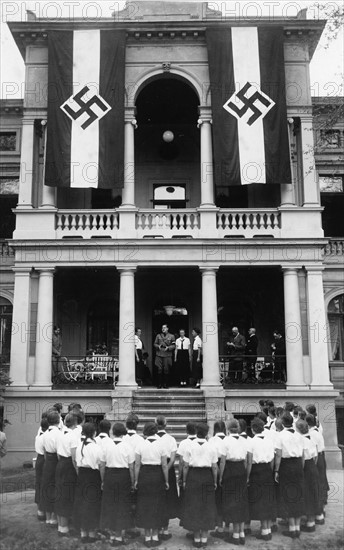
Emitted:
<point x="85" y="132"/>
<point x="247" y="84"/>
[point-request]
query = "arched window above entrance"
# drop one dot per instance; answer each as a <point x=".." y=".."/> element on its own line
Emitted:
<point x="335" y="312"/>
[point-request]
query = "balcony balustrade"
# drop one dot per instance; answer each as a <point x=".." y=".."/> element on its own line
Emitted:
<point x="166" y="224"/>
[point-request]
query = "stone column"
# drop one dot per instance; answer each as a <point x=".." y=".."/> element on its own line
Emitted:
<point x="207" y="169"/>
<point x="293" y="333"/>
<point x="20" y="327"/>
<point x="211" y="373"/>
<point x="44" y="329"/>
<point x="288" y="190"/>
<point x="127" y="328"/>
<point x="310" y="187"/>
<point x="317" y="335"/>
<point x="128" y="198"/>
<point x="26" y="163"/>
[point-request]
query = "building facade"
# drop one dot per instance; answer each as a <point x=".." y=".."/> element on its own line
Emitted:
<point x="170" y="246"/>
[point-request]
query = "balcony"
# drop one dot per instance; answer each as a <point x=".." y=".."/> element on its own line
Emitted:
<point x="167" y="224"/>
<point x="79" y="372"/>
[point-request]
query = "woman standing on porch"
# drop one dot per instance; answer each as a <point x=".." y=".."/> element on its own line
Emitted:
<point x="182" y="357"/>
<point x="197" y="371"/>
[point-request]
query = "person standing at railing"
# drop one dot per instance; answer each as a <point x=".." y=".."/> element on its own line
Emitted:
<point x="251" y="352"/>
<point x="279" y="356"/>
<point x="236" y="347"/>
<point x="56" y="350"/>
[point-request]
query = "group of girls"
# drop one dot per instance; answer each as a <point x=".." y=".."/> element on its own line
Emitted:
<point x="110" y="485"/>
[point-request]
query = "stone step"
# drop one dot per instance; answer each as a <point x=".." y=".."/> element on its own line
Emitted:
<point x="193" y="397"/>
<point x="169" y="413"/>
<point x="175" y="405"/>
<point x="170" y="392"/>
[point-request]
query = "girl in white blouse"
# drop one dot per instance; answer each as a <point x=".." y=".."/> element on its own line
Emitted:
<point x="88" y="490"/>
<point x="151" y="483"/>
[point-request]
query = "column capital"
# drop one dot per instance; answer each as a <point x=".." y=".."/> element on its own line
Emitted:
<point x="22" y="270"/>
<point x="204" y="120"/>
<point x="205" y="113"/>
<point x="48" y="269"/>
<point x="209" y="269"/>
<point x="314" y="268"/>
<point x="291" y="268"/>
<point x="126" y="269"/>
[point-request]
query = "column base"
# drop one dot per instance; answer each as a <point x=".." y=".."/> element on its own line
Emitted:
<point x="297" y="387"/>
<point x="122" y="401"/>
<point x="214" y="403"/>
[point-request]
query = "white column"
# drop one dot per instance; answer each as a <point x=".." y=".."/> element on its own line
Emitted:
<point x="211" y="373"/>
<point x="20" y="327"/>
<point x="293" y="333"/>
<point x="317" y="334"/>
<point x="26" y="163"/>
<point x="44" y="329"/>
<point x="288" y="190"/>
<point x="127" y="328"/>
<point x="128" y="198"/>
<point x="207" y="169"/>
<point x="310" y="187"/>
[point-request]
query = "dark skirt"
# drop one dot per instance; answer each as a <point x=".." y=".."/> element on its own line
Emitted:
<point x="261" y="493"/>
<point x="183" y="365"/>
<point x="139" y="366"/>
<point x="66" y="479"/>
<point x="234" y="493"/>
<point x="38" y="478"/>
<point x="87" y="501"/>
<point x="117" y="500"/>
<point x="172" y="500"/>
<point x="197" y="370"/>
<point x="291" y="488"/>
<point x="48" y="487"/>
<point x="312" y="495"/>
<point x="151" y="497"/>
<point x="323" y="483"/>
<point x="199" y="509"/>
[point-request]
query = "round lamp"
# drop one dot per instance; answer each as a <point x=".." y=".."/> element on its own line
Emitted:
<point x="168" y="136"/>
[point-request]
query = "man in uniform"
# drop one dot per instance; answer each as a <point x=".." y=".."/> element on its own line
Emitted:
<point x="164" y="344"/>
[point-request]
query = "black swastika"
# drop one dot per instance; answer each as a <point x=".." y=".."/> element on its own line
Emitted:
<point x="249" y="103"/>
<point x="85" y="107"/>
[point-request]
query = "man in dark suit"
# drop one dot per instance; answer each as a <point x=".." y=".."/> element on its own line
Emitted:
<point x="251" y="352"/>
<point x="279" y="356"/>
<point x="236" y="347"/>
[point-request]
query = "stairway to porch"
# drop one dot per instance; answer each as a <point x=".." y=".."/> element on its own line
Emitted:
<point x="179" y="406"/>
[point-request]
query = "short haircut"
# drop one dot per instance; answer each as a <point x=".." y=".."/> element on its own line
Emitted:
<point x="88" y="429"/>
<point x="105" y="426"/>
<point x="242" y="425"/>
<point x="58" y="407"/>
<point x="289" y="406"/>
<point x="219" y="426"/>
<point x="202" y="430"/>
<point x="269" y="403"/>
<point x="79" y="414"/>
<point x="265" y="410"/>
<point x="150" y="428"/>
<point x="302" y="426"/>
<point x="73" y="406"/>
<point x="311" y="409"/>
<point x="311" y="420"/>
<point x="44" y="424"/>
<point x="160" y="421"/>
<point x="297" y="409"/>
<point x="53" y="418"/>
<point x="191" y="428"/>
<point x="118" y="429"/>
<point x="70" y="420"/>
<point x="137" y="328"/>
<point x="287" y="419"/>
<point x="261" y="402"/>
<point x="197" y="330"/>
<point x="272" y="411"/>
<point x="257" y="425"/>
<point x="233" y="426"/>
<point x="279" y="411"/>
<point x="278" y="425"/>
<point x="262" y="416"/>
<point x="302" y="415"/>
<point x="132" y="421"/>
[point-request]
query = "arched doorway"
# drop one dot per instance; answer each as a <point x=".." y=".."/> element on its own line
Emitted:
<point x="167" y="145"/>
